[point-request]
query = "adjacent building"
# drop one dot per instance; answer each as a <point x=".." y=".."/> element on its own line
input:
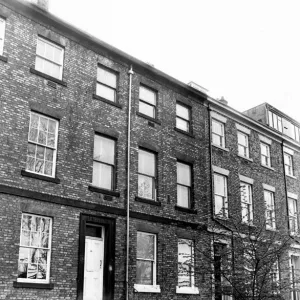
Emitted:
<point x="113" y="174"/>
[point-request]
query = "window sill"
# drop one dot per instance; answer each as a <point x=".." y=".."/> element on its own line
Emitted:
<point x="148" y="201"/>
<point x="271" y="229"/>
<point x="291" y="176"/>
<point x="245" y="157"/>
<point x="148" y="118"/>
<point x="40" y="177"/>
<point x="96" y="189"/>
<point x="147" y="288"/>
<point x="221" y="217"/>
<point x="34" y="71"/>
<point x="185" y="209"/>
<point x="184" y="132"/>
<point x="3" y="58"/>
<point x="107" y="101"/>
<point x="268" y="167"/>
<point x="220" y="147"/>
<point x="33" y="285"/>
<point x="187" y="290"/>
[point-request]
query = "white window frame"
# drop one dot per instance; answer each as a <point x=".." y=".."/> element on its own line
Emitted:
<point x="247" y="204"/>
<point x="270" y="210"/>
<point x="265" y="159"/>
<point x="275" y="121"/>
<point x="60" y="64"/>
<point x="154" y="288"/>
<point x="191" y="289"/>
<point x="293" y="217"/>
<point x="47" y="280"/>
<point x="288" y="164"/>
<point x="181" y="118"/>
<point x="99" y="161"/>
<point x="109" y="87"/>
<point x="245" y="148"/>
<point x="294" y="283"/>
<point x="221" y="136"/>
<point x="147" y="103"/>
<point x="54" y="148"/>
<point x="224" y="197"/>
<point x="153" y="177"/>
<point x="2" y="34"/>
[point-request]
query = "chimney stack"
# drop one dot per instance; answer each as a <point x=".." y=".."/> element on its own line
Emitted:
<point x="42" y="4"/>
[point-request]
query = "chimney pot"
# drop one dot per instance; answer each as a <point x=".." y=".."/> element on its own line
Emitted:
<point x="223" y="101"/>
<point x="42" y="4"/>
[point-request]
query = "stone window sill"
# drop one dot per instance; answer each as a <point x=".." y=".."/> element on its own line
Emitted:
<point x="40" y="177"/>
<point x="148" y="118"/>
<point x="116" y="104"/>
<point x="33" y="285"/>
<point x="97" y="189"/>
<point x="291" y="176"/>
<point x="245" y="157"/>
<point x="34" y="71"/>
<point x="185" y="209"/>
<point x="184" y="132"/>
<point x="220" y="147"/>
<point x="187" y="290"/>
<point x="268" y="167"/>
<point x="3" y="58"/>
<point x="148" y="201"/>
<point x="147" y="288"/>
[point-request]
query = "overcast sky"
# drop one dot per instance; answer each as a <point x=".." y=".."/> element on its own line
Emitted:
<point x="247" y="51"/>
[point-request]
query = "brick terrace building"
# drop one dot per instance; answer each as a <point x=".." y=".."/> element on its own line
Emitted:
<point x="71" y="108"/>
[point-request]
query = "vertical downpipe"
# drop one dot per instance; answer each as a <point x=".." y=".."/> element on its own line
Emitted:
<point x="130" y="72"/>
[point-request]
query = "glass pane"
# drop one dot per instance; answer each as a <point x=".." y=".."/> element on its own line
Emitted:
<point x="42" y="137"/>
<point x="106" y="92"/>
<point x="219" y="184"/>
<point x="181" y="124"/>
<point x="30" y="163"/>
<point x="183" y="195"/>
<point x="40" y="48"/>
<point x="147" y="95"/>
<point x="49" y="154"/>
<point x="245" y="192"/>
<point x="146" y="163"/>
<point x="49" y="53"/>
<point x="32" y="271"/>
<point x="145" y="245"/>
<point x="219" y="206"/>
<point x="183" y="174"/>
<point x="217" y="127"/>
<point x="39" y="166"/>
<point x="52" y="126"/>
<point x="26" y="222"/>
<point x="51" y="140"/>
<point x="242" y="139"/>
<point x="34" y="120"/>
<point x="57" y="55"/>
<point x="48" y="168"/>
<point x="47" y="67"/>
<point x="33" y="134"/>
<point x="45" y="240"/>
<point x="270" y="119"/>
<point x="43" y="257"/>
<point x="102" y="175"/>
<point x="144" y="272"/>
<point x="35" y="239"/>
<point x="39" y="64"/>
<point x="33" y="256"/>
<point x="145" y="187"/>
<point x="55" y="71"/>
<point x="42" y="272"/>
<point x="185" y="262"/>
<point x="40" y="152"/>
<point x="217" y="140"/>
<point x="147" y="109"/>
<point x="25" y="238"/>
<point x="182" y="111"/>
<point x="107" y="77"/>
<point x="104" y="149"/>
<point x="45" y="224"/>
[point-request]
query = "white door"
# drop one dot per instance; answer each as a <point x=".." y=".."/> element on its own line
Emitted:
<point x="93" y="268"/>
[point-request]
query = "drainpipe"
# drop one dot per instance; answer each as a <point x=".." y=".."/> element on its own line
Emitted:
<point x="130" y="72"/>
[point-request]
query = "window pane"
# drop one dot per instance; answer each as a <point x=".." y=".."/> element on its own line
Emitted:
<point x="104" y="149"/>
<point x="245" y="192"/>
<point x="145" y="245"/>
<point x="102" y="175"/>
<point x="182" y="111"/>
<point x="217" y="127"/>
<point x="183" y="174"/>
<point x="185" y="262"/>
<point x="107" y="77"/>
<point x="145" y="187"/>
<point x="217" y="140"/>
<point x="219" y="206"/>
<point x="147" y="109"/>
<point x="182" y="124"/>
<point x="147" y="95"/>
<point x="144" y="272"/>
<point x="183" y="196"/>
<point x="146" y="163"/>
<point x="106" y="92"/>
<point x="242" y="139"/>
<point x="219" y="185"/>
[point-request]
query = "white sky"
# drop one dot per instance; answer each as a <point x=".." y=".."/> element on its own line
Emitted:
<point x="245" y="50"/>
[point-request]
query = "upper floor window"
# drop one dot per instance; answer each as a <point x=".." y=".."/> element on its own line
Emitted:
<point x="49" y="58"/>
<point x="42" y="145"/>
<point x="147" y="175"/>
<point x="2" y="33"/>
<point x="184" y="183"/>
<point x="147" y="103"/>
<point x="293" y="215"/>
<point x="220" y="191"/>
<point x="265" y="154"/>
<point x="270" y="209"/>
<point x="243" y="144"/>
<point x="104" y="162"/>
<point x="275" y="121"/>
<point x="106" y="84"/>
<point x="288" y="164"/>
<point x="183" y="117"/>
<point x="246" y="201"/>
<point x="35" y="249"/>
<point x="218" y="133"/>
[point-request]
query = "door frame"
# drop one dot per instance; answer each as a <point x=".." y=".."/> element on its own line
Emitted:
<point x="109" y="225"/>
